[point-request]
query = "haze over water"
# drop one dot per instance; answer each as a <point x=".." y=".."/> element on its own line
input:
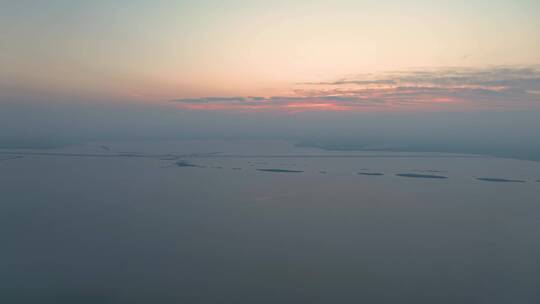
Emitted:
<point x="130" y="229"/>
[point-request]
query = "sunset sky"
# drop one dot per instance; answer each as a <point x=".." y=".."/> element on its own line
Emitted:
<point x="269" y="151"/>
<point x="278" y="55"/>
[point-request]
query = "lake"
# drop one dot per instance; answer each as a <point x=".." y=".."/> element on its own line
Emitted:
<point x="265" y="222"/>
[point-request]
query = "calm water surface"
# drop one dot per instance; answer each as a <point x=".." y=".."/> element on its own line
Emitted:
<point x="80" y="229"/>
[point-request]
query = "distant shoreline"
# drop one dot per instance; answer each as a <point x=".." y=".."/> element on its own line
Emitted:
<point x="356" y="148"/>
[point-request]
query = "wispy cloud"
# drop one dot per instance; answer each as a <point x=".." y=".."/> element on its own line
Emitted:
<point x="423" y="89"/>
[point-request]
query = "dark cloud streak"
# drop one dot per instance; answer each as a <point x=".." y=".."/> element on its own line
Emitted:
<point x="484" y="88"/>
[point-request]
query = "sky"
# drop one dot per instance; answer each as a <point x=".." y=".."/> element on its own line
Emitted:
<point x="162" y="50"/>
<point x="111" y="79"/>
<point x="190" y="68"/>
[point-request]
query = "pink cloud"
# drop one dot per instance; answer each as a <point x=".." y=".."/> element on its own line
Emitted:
<point x="447" y="89"/>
